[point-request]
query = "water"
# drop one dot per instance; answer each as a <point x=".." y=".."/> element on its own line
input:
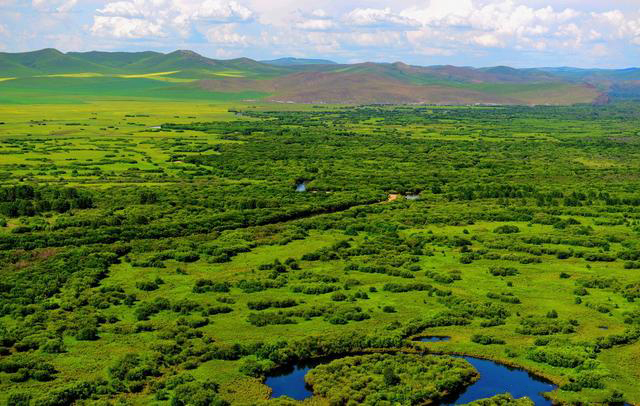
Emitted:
<point x="497" y="378"/>
<point x="290" y="381"/>
<point x="433" y="339"/>
<point x="412" y="197"/>
<point x="494" y="379"/>
<point x="301" y="187"/>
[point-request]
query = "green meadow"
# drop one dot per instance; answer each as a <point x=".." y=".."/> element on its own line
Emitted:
<point x="154" y="249"/>
<point x="67" y="89"/>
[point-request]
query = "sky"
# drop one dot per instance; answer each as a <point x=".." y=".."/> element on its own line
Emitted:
<point x="519" y="33"/>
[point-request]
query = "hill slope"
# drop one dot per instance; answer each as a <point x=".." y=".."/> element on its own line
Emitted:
<point x="298" y="61"/>
<point x="367" y="88"/>
<point x="324" y="81"/>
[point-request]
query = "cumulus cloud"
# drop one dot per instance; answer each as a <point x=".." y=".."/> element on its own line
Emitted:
<point x="319" y="13"/>
<point x="487" y="40"/>
<point x="374" y="39"/>
<point x="316" y="20"/>
<point x="153" y="18"/>
<point x="416" y="31"/>
<point x="125" y="28"/>
<point x="498" y="24"/>
<point x="127" y="9"/>
<point x="214" y="10"/>
<point x="57" y="6"/>
<point x="225" y="35"/>
<point x="619" y="25"/>
<point x="441" y="12"/>
<point x="460" y="27"/>
<point x="372" y="17"/>
<point x="315" y="24"/>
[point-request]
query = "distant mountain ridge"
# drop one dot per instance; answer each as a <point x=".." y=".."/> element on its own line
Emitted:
<point x="325" y="81"/>
<point x="298" y="61"/>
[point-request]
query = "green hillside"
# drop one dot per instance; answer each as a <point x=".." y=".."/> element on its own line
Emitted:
<point x="298" y="61"/>
<point x="79" y="90"/>
<point x="186" y="74"/>
<point x="113" y="59"/>
<point x="51" y="61"/>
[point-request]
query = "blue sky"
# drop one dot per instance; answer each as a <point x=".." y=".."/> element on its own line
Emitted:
<point x="520" y="33"/>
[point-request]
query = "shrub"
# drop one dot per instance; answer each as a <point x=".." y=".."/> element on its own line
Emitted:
<point x="338" y="297"/>
<point x="506" y="229"/>
<point x="268" y="303"/>
<point x="19" y="399"/>
<point x="147" y="286"/>
<point x="55" y="346"/>
<point x="503" y="271"/>
<point x="87" y="334"/>
<point x="485" y="339"/>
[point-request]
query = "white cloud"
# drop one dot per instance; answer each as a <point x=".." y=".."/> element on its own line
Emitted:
<point x="214" y="10"/>
<point x="371" y="17"/>
<point x="319" y="13"/>
<point x="441" y="12"/>
<point x="57" y="6"/>
<point x="374" y="39"/>
<point x="225" y="35"/>
<point x="160" y="17"/>
<point x="416" y="31"/>
<point x="494" y="23"/>
<point x="126" y="9"/>
<point x="316" y="25"/>
<point x="66" y="6"/>
<point x="126" y="28"/>
<point x="619" y="25"/>
<point x="487" y="40"/>
<point x="508" y="18"/>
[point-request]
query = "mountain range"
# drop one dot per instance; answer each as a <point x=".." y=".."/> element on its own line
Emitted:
<point x="321" y="80"/>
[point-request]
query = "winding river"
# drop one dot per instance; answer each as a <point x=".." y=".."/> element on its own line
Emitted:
<point x="494" y="379"/>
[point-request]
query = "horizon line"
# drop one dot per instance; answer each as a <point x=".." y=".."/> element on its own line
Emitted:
<point x="329" y="59"/>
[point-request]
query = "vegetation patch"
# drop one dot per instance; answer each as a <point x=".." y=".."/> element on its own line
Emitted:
<point x="397" y="379"/>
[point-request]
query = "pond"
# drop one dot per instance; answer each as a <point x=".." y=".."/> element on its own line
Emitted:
<point x="497" y="378"/>
<point x="432" y="339"/>
<point x="289" y="381"/>
<point x="301" y="187"/>
<point x="494" y="379"/>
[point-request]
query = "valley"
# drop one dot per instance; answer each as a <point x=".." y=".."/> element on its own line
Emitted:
<point x="157" y="250"/>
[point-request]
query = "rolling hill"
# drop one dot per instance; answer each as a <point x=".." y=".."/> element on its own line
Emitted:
<point x="183" y="74"/>
<point x="298" y="61"/>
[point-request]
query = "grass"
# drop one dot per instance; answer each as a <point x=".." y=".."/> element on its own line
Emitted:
<point x="75" y="75"/>
<point x="104" y="143"/>
<point x="64" y="90"/>
<point x="147" y="75"/>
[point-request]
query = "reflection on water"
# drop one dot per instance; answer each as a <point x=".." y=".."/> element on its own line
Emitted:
<point x="494" y="379"/>
<point x="432" y="339"/>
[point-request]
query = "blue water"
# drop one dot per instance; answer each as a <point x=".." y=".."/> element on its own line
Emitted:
<point x="494" y="380"/>
<point x="433" y="339"/>
<point x="291" y="382"/>
<point x="301" y="187"/>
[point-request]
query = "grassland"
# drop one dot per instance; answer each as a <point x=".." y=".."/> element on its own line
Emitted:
<point x="138" y="232"/>
<point x="184" y="75"/>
